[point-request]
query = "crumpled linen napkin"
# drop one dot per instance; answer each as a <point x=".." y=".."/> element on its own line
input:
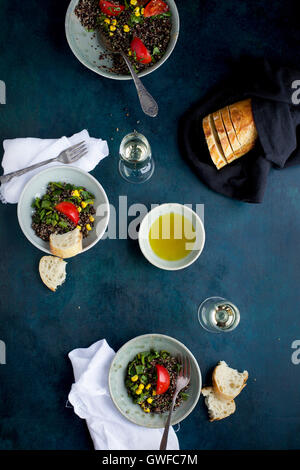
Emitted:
<point x="91" y="400"/>
<point x="22" y="152"/>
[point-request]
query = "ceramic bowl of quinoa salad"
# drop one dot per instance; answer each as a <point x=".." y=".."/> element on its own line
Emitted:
<point x="136" y="380"/>
<point x="146" y="30"/>
<point x="58" y="199"/>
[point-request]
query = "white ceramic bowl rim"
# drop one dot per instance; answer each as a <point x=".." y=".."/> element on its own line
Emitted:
<point x="145" y="228"/>
<point x="55" y="167"/>
<point x="176" y="341"/>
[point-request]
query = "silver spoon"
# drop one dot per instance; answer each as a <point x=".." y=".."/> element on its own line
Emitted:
<point x="148" y="103"/>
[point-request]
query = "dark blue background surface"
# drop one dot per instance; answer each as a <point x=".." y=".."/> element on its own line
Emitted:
<point x="251" y="254"/>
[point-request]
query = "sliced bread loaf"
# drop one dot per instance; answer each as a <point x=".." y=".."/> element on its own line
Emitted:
<point x="227" y="382"/>
<point x="217" y="408"/>
<point x="213" y="142"/>
<point x="223" y="137"/>
<point x="67" y="244"/>
<point x="236" y="147"/>
<point x="52" y="271"/>
<point x="243" y="123"/>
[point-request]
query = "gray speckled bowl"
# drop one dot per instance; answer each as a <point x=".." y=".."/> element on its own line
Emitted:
<point x="117" y="374"/>
<point x="86" y="48"/>
<point x="37" y="186"/>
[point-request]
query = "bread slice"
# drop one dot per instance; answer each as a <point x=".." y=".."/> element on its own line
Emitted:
<point x="243" y="123"/>
<point x="227" y="382"/>
<point x="52" y="271"/>
<point x="217" y="408"/>
<point x="213" y="143"/>
<point x="223" y="137"/>
<point x="236" y="147"/>
<point x="67" y="244"/>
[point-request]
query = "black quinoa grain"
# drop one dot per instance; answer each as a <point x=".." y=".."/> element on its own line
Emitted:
<point x="44" y="230"/>
<point x="153" y="31"/>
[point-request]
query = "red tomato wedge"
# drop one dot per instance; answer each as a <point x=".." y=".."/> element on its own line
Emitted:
<point x="110" y="9"/>
<point x="163" y="379"/>
<point x="141" y="52"/>
<point x="155" y="7"/>
<point x="69" y="210"/>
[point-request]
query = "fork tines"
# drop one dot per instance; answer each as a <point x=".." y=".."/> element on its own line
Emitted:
<point x="185" y="370"/>
<point x="76" y="151"/>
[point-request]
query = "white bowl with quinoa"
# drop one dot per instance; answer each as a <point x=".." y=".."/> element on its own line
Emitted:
<point x="85" y="44"/>
<point x="37" y="186"/>
<point x="117" y="375"/>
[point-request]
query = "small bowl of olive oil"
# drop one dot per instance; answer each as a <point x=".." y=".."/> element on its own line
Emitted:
<point x="171" y="236"/>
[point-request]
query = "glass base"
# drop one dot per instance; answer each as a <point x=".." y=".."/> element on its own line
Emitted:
<point x="218" y="315"/>
<point x="136" y="175"/>
<point x="204" y="310"/>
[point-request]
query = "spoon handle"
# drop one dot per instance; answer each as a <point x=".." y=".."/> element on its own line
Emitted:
<point x="148" y="103"/>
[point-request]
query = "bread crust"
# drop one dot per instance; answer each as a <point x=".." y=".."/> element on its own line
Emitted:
<point x="227" y="149"/>
<point x="214" y="147"/>
<point x="68" y="252"/>
<point x="243" y="123"/>
<point x="41" y="272"/>
<point x="237" y="150"/>
<point x="222" y="395"/>
<point x="207" y="391"/>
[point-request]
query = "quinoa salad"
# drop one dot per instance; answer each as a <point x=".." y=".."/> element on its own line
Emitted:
<point x="140" y="28"/>
<point x="63" y="208"/>
<point x="151" y="381"/>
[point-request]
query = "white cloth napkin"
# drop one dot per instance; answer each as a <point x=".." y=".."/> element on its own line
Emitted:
<point x="91" y="400"/>
<point x="23" y="152"/>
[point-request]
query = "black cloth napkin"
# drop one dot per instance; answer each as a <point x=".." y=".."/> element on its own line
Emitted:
<point x="275" y="96"/>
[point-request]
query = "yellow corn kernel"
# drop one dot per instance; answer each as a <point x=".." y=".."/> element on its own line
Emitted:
<point x="133" y="2"/>
<point x="88" y="227"/>
<point x="154" y="393"/>
<point x="107" y="21"/>
<point x="148" y="386"/>
<point x="137" y="11"/>
<point x="111" y="34"/>
<point x="79" y="209"/>
<point x="134" y="378"/>
<point x="126" y="28"/>
<point x="129" y="52"/>
<point x="79" y="227"/>
<point x="150" y="400"/>
<point x="143" y="11"/>
<point x="114" y="22"/>
<point x="112" y="28"/>
<point x="147" y="410"/>
<point x="83" y="204"/>
<point x="92" y="219"/>
<point x="141" y="386"/>
<point x="75" y="193"/>
<point x="138" y="391"/>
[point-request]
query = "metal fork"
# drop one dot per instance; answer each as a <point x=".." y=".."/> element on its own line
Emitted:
<point x="183" y="379"/>
<point x="70" y="155"/>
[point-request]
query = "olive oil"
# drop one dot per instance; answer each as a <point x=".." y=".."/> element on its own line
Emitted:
<point x="172" y="236"/>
